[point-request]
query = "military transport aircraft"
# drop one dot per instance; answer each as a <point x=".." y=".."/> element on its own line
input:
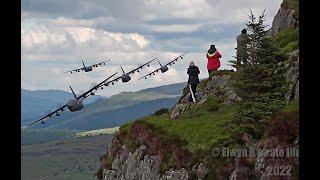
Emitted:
<point x="87" y="68"/>
<point x="125" y="77"/>
<point x="164" y="68"/>
<point x="73" y="105"/>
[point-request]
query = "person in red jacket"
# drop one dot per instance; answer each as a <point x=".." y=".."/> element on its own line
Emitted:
<point x="213" y="59"/>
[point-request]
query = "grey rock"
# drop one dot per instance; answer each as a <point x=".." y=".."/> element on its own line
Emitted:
<point x="219" y="86"/>
<point x="202" y="171"/>
<point x="178" y="109"/>
<point x="180" y="174"/>
<point x="133" y="166"/>
<point x="285" y="18"/>
<point x="292" y="76"/>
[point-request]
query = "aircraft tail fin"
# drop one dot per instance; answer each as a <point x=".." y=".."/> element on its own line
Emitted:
<point x="159" y="62"/>
<point x="83" y="64"/>
<point x="122" y="69"/>
<point x="74" y="94"/>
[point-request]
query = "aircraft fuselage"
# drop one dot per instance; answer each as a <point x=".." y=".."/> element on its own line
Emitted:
<point x="164" y="69"/>
<point x="74" y="105"/>
<point x="125" y="78"/>
<point x="88" y="69"/>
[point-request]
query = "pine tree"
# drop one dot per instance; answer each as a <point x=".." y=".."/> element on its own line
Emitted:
<point x="259" y="81"/>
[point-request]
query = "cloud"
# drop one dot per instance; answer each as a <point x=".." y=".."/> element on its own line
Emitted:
<point x="56" y="35"/>
<point x="76" y="42"/>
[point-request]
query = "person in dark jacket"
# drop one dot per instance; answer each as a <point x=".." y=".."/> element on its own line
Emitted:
<point x="213" y="59"/>
<point x="193" y="81"/>
<point x="242" y="41"/>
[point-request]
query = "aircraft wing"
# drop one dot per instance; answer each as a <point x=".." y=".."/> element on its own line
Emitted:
<point x="157" y="70"/>
<point x="48" y="115"/>
<point x="175" y="59"/>
<point x="84" y="95"/>
<point x="75" y="70"/>
<point x="150" y="74"/>
<point x="140" y="67"/>
<point x="112" y="82"/>
<point x="100" y="63"/>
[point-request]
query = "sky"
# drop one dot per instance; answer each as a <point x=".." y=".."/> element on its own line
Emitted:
<point x="57" y="34"/>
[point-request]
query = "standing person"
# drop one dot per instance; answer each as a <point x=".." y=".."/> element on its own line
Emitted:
<point x="242" y="41"/>
<point x="193" y="81"/>
<point x="213" y="59"/>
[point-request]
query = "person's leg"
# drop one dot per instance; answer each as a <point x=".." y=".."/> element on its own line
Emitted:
<point x="194" y="89"/>
<point x="190" y="96"/>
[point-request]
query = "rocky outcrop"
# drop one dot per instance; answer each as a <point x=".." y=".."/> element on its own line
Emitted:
<point x="292" y="76"/>
<point x="139" y="165"/>
<point x="285" y="18"/>
<point x="218" y="85"/>
<point x="133" y="166"/>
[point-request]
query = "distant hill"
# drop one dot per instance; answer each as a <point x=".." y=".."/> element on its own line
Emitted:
<point x="171" y="89"/>
<point x="37" y="103"/>
<point x="119" y="108"/>
<point x="97" y="116"/>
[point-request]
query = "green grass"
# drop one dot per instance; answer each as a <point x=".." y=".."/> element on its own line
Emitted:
<point x="292" y="106"/>
<point x="294" y="4"/>
<point x="287" y="40"/>
<point x="201" y="127"/>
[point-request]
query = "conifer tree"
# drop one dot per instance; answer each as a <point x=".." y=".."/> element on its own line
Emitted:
<point x="259" y="81"/>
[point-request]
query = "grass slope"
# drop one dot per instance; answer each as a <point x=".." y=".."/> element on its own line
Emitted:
<point x="197" y="130"/>
<point x="202" y="127"/>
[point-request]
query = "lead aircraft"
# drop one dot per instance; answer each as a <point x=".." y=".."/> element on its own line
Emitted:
<point x="73" y="105"/>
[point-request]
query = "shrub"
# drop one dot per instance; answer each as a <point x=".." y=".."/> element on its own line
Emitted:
<point x="291" y="46"/>
<point x="286" y="36"/>
<point x="284" y="126"/>
<point x="293" y="4"/>
<point x="161" y="111"/>
<point x="214" y="107"/>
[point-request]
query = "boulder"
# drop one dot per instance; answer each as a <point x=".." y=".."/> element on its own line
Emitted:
<point x="292" y="76"/>
<point x="219" y="85"/>
<point x="285" y="18"/>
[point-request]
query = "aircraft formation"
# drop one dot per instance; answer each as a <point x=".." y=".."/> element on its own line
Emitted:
<point x="76" y="104"/>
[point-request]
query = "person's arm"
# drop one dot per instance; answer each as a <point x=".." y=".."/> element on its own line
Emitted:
<point x="198" y="71"/>
<point x="188" y="72"/>
<point x="219" y="55"/>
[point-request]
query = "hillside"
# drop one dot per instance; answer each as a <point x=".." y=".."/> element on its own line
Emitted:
<point x="119" y="109"/>
<point x="36" y="103"/>
<point x="93" y="118"/>
<point x="254" y="109"/>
